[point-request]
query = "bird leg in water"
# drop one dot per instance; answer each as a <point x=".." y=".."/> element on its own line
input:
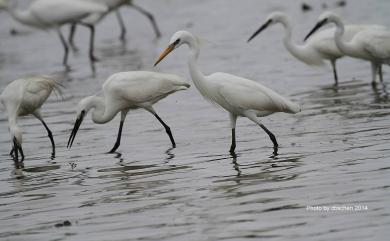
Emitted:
<point x="336" y="79"/>
<point x="66" y="49"/>
<point x="91" y="42"/>
<point x="50" y="135"/>
<point x="233" y="146"/>
<point x="122" y="37"/>
<point x="167" y="129"/>
<point x="71" y="37"/>
<point x="118" y="139"/>
<point x="17" y="148"/>
<point x="380" y="73"/>
<point x="150" y="17"/>
<point x="272" y="137"/>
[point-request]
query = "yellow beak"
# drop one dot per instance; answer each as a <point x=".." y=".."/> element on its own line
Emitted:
<point x="169" y="49"/>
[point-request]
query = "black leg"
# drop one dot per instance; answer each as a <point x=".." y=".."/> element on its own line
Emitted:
<point x="92" y="44"/>
<point x="66" y="49"/>
<point x="167" y="129"/>
<point x="12" y="150"/>
<point x="380" y="73"/>
<point x="233" y="146"/>
<point x="336" y="79"/>
<point x="50" y="135"/>
<point x="272" y="137"/>
<point x="71" y="37"/>
<point x="151" y="19"/>
<point x="118" y="139"/>
<point x="21" y="153"/>
<point x="121" y="25"/>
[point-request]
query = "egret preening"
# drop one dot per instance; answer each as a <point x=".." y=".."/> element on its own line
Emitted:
<point x="240" y="97"/>
<point x="316" y="49"/>
<point x="114" y="6"/>
<point x="372" y="44"/>
<point x="23" y="97"/>
<point x="47" y="14"/>
<point x="125" y="91"/>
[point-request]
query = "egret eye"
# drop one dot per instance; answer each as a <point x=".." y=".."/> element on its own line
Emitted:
<point x="177" y="41"/>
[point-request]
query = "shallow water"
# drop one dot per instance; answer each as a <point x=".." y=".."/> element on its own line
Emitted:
<point x="334" y="153"/>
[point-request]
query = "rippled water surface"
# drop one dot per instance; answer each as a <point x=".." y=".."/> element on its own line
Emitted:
<point x="334" y="153"/>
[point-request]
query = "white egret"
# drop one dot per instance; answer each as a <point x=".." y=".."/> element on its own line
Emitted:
<point x="125" y="91"/>
<point x="52" y="14"/>
<point x="23" y="97"/>
<point x="372" y="44"/>
<point x="316" y="49"/>
<point x="114" y="6"/>
<point x="240" y="97"/>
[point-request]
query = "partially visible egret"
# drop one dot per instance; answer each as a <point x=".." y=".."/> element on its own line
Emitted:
<point x="23" y="97"/>
<point x="240" y="97"/>
<point x="114" y="6"/>
<point x="52" y="14"/>
<point x="125" y="91"/>
<point x="372" y="44"/>
<point x="316" y="49"/>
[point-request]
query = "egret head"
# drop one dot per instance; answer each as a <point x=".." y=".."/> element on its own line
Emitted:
<point x="82" y="109"/>
<point x="273" y="18"/>
<point x="324" y="18"/>
<point x="179" y="38"/>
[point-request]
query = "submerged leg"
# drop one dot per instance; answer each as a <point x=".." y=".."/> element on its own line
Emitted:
<point x="91" y="41"/>
<point x="252" y="116"/>
<point x="336" y="79"/>
<point x="150" y="17"/>
<point x="66" y="48"/>
<point x="380" y="73"/>
<point x="374" y="70"/>
<point x="233" y="119"/>
<point x="71" y="37"/>
<point x="118" y="138"/>
<point x="121" y="25"/>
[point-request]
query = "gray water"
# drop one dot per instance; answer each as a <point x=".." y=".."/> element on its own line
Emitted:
<point x="335" y="153"/>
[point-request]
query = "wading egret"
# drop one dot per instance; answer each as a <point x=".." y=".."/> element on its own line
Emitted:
<point x="372" y="44"/>
<point x="52" y="14"/>
<point x="23" y="97"/>
<point x="113" y="6"/>
<point x="317" y="48"/>
<point x="125" y="91"/>
<point x="240" y="97"/>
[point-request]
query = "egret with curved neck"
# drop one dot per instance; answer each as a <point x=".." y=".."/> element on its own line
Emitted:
<point x="372" y="44"/>
<point x="125" y="91"/>
<point x="240" y="97"/>
<point x="316" y="49"/>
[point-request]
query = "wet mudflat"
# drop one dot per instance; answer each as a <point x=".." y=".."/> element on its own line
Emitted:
<point x="334" y="154"/>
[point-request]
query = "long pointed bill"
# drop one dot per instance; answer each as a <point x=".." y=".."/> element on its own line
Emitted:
<point x="318" y="25"/>
<point x="76" y="127"/>
<point x="169" y="49"/>
<point x="264" y="26"/>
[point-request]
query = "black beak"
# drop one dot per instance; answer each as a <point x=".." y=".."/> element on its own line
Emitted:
<point x="264" y="26"/>
<point x="75" y="129"/>
<point x="318" y="25"/>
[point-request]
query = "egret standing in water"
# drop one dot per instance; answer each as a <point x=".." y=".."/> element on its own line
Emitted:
<point x="319" y="47"/>
<point x="240" y="97"/>
<point x="52" y="14"/>
<point x="114" y="6"/>
<point x="126" y="91"/>
<point x="372" y="44"/>
<point x="23" y="97"/>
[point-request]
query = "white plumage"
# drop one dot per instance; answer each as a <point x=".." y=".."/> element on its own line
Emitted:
<point x="239" y="96"/>
<point x="319" y="47"/>
<point x="371" y="43"/>
<point x="23" y="97"/>
<point x="125" y="91"/>
<point x="46" y="14"/>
